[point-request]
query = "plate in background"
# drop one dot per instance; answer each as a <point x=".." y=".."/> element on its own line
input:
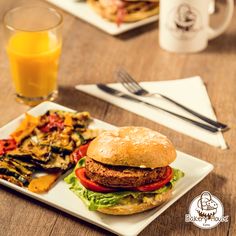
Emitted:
<point x="86" y="13"/>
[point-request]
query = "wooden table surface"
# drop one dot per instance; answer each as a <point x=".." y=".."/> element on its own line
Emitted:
<point x="91" y="56"/>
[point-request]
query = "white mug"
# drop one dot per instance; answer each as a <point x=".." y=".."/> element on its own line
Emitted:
<point x="184" y="24"/>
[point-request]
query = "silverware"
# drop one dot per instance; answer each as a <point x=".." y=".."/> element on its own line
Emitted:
<point x="134" y="87"/>
<point x="120" y="94"/>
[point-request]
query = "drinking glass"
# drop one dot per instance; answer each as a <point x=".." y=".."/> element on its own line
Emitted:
<point x="33" y="44"/>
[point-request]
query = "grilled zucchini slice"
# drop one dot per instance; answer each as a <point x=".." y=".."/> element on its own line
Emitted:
<point x="8" y="169"/>
<point x="57" y="162"/>
<point x="31" y="151"/>
<point x="19" y="167"/>
<point x="90" y="134"/>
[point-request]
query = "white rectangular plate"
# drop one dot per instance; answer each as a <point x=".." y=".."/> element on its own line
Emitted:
<point x="62" y="198"/>
<point x="86" y="13"/>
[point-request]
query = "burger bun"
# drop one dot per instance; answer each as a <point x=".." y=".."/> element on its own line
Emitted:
<point x="132" y="146"/>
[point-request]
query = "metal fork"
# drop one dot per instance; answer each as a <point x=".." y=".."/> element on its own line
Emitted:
<point x="134" y="87"/>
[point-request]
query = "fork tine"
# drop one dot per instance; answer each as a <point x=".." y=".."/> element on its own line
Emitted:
<point x="129" y="85"/>
<point x="124" y="83"/>
<point x="129" y="81"/>
<point x="130" y="78"/>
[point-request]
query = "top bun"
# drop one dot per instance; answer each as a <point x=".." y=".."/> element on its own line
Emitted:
<point x="132" y="146"/>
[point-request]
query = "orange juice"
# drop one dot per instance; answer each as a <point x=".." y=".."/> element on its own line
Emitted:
<point x="34" y="58"/>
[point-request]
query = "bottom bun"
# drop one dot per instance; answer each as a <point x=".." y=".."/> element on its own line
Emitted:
<point x="133" y="208"/>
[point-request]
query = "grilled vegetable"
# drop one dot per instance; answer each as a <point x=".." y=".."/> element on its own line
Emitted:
<point x="55" y="122"/>
<point x="58" y="142"/>
<point x="43" y="143"/>
<point x="63" y="143"/>
<point x="30" y="166"/>
<point x="26" y="127"/>
<point x="11" y="179"/>
<point x="79" y="120"/>
<point x="79" y="153"/>
<point x="6" y="145"/>
<point x="68" y="120"/>
<point x="57" y="162"/>
<point x="28" y="157"/>
<point x="22" y="169"/>
<point x="17" y="154"/>
<point x="65" y="150"/>
<point x="8" y="169"/>
<point x="43" y="184"/>
<point x="31" y="151"/>
<point x="78" y="138"/>
<point x="90" y="134"/>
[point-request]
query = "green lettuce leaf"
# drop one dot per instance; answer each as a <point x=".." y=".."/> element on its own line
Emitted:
<point x="95" y="200"/>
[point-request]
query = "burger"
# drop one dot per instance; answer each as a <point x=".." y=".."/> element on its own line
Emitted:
<point x="125" y="10"/>
<point x="125" y="171"/>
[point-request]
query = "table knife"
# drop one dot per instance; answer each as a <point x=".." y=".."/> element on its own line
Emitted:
<point x="120" y="94"/>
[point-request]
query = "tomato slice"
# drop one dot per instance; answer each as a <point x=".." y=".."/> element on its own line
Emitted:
<point x="80" y="152"/>
<point x="159" y="184"/>
<point x="87" y="183"/>
<point x="7" y="145"/>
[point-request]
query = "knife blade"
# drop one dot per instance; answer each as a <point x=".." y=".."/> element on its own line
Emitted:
<point x="117" y="93"/>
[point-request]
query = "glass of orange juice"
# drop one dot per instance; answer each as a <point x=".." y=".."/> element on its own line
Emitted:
<point x="33" y="44"/>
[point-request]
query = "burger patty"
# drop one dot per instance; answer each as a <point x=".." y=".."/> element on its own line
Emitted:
<point x="122" y="176"/>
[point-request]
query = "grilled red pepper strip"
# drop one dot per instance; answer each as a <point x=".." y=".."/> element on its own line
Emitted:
<point x="54" y="122"/>
<point x="80" y="152"/>
<point x="7" y="145"/>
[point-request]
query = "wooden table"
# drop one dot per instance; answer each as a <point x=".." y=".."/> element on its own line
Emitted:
<point x="91" y="56"/>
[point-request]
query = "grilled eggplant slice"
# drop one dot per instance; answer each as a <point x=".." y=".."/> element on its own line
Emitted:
<point x="57" y="142"/>
<point x="31" y="151"/>
<point x="28" y="157"/>
<point x="82" y="138"/>
<point x="62" y="144"/>
<point x="8" y="169"/>
<point x="41" y="152"/>
<point x="17" y="154"/>
<point x="22" y="169"/>
<point x="30" y="166"/>
<point x="11" y="179"/>
<point x="57" y="162"/>
<point x="90" y="134"/>
<point x="63" y="151"/>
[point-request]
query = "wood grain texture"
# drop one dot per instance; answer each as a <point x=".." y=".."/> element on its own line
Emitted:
<point x="91" y="56"/>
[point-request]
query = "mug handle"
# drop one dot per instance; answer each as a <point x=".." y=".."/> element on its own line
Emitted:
<point x="213" y="33"/>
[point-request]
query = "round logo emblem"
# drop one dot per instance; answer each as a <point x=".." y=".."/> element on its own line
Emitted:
<point x="184" y="21"/>
<point x="206" y="211"/>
